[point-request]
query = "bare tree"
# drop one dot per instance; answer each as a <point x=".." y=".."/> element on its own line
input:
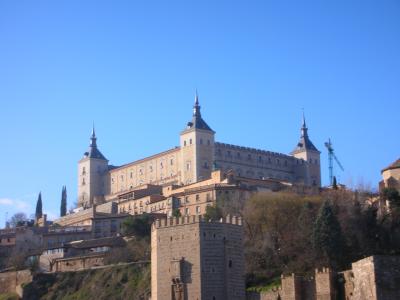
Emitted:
<point x="18" y="219"/>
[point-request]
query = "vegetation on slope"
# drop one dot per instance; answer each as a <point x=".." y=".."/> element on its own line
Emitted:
<point x="119" y="282"/>
<point x="286" y="232"/>
<point x="9" y="296"/>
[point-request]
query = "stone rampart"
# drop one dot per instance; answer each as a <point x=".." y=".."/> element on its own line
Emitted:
<point x="10" y="282"/>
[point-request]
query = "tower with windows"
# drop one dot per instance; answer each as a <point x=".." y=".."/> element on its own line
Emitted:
<point x="92" y="170"/>
<point x="310" y="158"/>
<point x="197" y="148"/>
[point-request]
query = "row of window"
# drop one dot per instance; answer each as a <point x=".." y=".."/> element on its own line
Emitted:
<point x="197" y="211"/>
<point x="190" y="142"/>
<point x="250" y="157"/>
<point x="197" y="198"/>
<point x="259" y="175"/>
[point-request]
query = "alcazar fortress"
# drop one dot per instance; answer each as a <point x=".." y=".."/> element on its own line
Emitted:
<point x="199" y="161"/>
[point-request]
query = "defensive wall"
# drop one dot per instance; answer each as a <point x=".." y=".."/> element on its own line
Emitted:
<point x="12" y="281"/>
<point x="371" y="278"/>
<point x="193" y="258"/>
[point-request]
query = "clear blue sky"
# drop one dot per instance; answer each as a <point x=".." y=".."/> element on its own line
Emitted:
<point x="132" y="67"/>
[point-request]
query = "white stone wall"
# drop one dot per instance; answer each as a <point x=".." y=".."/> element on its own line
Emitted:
<point x="158" y="169"/>
<point x="91" y="180"/>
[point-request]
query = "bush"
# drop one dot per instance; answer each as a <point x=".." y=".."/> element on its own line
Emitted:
<point x="139" y="226"/>
<point x="9" y="296"/>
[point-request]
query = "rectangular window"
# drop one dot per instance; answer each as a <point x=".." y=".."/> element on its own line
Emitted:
<point x="197" y="197"/>
<point x="198" y="210"/>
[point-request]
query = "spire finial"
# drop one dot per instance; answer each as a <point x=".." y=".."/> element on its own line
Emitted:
<point x="93" y="137"/>
<point x="196" y="98"/>
<point x="304" y="126"/>
<point x="196" y="107"/>
<point x="93" y="131"/>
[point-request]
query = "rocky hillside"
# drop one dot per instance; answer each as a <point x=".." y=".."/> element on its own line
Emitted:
<point x="119" y="282"/>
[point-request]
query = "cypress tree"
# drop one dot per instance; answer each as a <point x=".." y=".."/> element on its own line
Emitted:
<point x="63" y="208"/>
<point x="39" y="207"/>
<point x="327" y="236"/>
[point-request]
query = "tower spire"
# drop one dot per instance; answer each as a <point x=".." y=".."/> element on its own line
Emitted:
<point x="304" y="128"/>
<point x="93" y="151"/>
<point x="196" y="98"/>
<point x="93" y="138"/>
<point x="93" y="131"/>
<point x="196" y="107"/>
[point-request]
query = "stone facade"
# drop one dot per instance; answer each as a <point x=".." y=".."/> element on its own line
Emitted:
<point x="391" y="176"/>
<point x="193" y="161"/>
<point x="371" y="278"/>
<point x="195" y="259"/>
<point x="11" y="282"/>
<point x="376" y="278"/>
<point x="104" y="220"/>
<point x="79" y="263"/>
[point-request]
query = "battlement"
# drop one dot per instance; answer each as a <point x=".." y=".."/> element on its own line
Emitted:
<point x="323" y="271"/>
<point x="254" y="150"/>
<point x="179" y="221"/>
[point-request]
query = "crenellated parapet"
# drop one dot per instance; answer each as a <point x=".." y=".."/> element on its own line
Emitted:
<point x="185" y="220"/>
<point x="320" y="271"/>
<point x="194" y="255"/>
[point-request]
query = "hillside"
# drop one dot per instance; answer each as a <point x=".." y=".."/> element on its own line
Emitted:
<point x="119" y="282"/>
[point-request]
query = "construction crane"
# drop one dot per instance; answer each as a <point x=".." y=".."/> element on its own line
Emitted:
<point x="331" y="157"/>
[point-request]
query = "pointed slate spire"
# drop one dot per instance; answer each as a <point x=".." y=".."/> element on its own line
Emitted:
<point x="93" y="152"/>
<point x="304" y="129"/>
<point x="196" y="107"/>
<point x="197" y="121"/>
<point x="93" y="138"/>
<point x="305" y="143"/>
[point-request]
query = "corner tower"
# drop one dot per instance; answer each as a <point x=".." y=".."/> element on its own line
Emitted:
<point x="306" y="151"/>
<point x="197" y="148"/>
<point x="92" y="170"/>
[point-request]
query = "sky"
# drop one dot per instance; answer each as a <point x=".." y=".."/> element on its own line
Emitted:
<point x="132" y="68"/>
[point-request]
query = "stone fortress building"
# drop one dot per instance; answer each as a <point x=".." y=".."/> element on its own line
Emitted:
<point x="193" y="161"/>
<point x="192" y="258"/>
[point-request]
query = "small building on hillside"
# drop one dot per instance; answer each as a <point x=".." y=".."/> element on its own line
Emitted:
<point x="391" y="176"/>
<point x="78" y="255"/>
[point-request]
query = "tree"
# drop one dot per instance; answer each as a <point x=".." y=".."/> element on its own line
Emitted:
<point x="327" y="236"/>
<point x="334" y="184"/>
<point x="63" y="208"/>
<point x="18" y="219"/>
<point x="393" y="196"/>
<point x="176" y="213"/>
<point x="139" y="226"/>
<point x="39" y="207"/>
<point x="213" y="213"/>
